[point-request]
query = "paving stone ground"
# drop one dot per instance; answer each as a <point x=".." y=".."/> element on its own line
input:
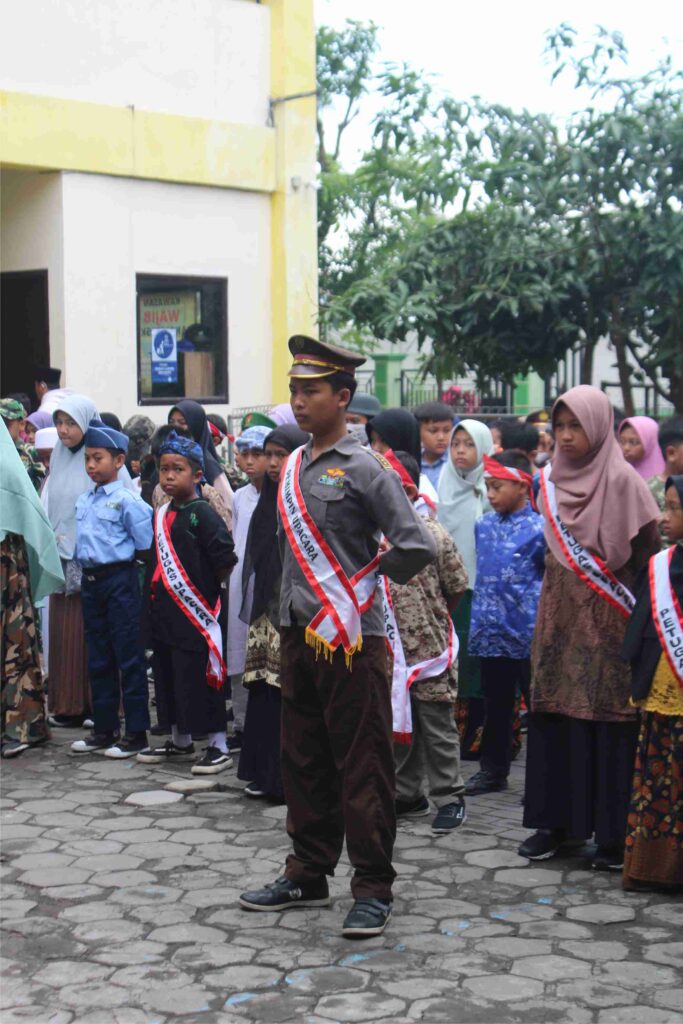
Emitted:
<point x="120" y="913"/>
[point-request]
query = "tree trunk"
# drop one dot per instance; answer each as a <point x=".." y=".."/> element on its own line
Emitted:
<point x="587" y="353"/>
<point x="624" y="370"/>
<point x="676" y="392"/>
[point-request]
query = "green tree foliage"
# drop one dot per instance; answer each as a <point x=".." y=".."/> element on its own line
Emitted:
<point x="499" y="236"/>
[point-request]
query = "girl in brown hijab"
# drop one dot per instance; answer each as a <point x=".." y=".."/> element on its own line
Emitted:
<point x="582" y="729"/>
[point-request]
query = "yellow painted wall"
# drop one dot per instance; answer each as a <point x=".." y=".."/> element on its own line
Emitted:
<point x="294" y="209"/>
<point x="49" y="133"/>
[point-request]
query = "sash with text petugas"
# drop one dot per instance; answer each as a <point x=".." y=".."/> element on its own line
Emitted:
<point x="342" y="600"/>
<point x="403" y="677"/>
<point x="191" y="603"/>
<point x="666" y="611"/>
<point x="591" y="569"/>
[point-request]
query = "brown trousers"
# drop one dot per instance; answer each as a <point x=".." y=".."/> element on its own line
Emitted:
<point x="338" y="763"/>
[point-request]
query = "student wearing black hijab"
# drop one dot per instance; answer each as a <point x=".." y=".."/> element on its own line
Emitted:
<point x="190" y="415"/>
<point x="396" y="429"/>
<point x="653" y="855"/>
<point x="260" y="756"/>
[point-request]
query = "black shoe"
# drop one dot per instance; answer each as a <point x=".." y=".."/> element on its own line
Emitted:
<point x="65" y="721"/>
<point x="129" y="746"/>
<point x="484" y="782"/>
<point x="367" y="917"/>
<point x="13" y="748"/>
<point x="236" y="741"/>
<point x="283" y="895"/>
<point x="169" y="752"/>
<point x="412" y="808"/>
<point x="95" y="741"/>
<point x="252" y="790"/>
<point x="542" y="844"/>
<point x="608" y="858"/>
<point x="160" y="730"/>
<point x="214" y="760"/>
<point x="449" y="817"/>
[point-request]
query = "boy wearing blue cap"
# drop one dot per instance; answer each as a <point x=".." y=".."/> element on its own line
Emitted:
<point x="112" y="524"/>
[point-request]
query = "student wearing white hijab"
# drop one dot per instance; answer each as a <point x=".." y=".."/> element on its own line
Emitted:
<point x="462" y="500"/>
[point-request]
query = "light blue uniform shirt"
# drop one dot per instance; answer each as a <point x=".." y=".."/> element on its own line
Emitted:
<point x="433" y="470"/>
<point x="112" y="524"/>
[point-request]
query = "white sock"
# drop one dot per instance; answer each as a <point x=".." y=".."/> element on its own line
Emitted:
<point x="180" y="739"/>
<point x="218" y="739"/>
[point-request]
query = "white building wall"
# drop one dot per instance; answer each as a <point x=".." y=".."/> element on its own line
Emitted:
<point x="199" y="58"/>
<point x="117" y="227"/>
<point x="33" y="239"/>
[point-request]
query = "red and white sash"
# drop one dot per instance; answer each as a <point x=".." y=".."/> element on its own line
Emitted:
<point x="590" y="568"/>
<point x="403" y="677"/>
<point x="666" y="611"/>
<point x="191" y="603"/>
<point x="342" y="600"/>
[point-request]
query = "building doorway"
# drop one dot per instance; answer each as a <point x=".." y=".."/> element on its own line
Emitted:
<point x="24" y="329"/>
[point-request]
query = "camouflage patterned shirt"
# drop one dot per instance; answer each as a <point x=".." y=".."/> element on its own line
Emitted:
<point x="422" y="614"/>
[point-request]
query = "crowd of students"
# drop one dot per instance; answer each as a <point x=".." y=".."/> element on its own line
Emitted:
<point x="525" y="575"/>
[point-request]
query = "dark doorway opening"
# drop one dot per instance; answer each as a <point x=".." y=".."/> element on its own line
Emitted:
<point x="24" y="329"/>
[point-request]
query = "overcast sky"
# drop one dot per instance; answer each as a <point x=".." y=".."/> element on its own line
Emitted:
<point x="494" y="49"/>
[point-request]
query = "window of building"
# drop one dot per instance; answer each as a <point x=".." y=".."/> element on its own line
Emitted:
<point x="182" y="338"/>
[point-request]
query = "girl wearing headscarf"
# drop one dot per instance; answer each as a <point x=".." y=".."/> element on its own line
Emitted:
<point x="396" y="429"/>
<point x="582" y="728"/>
<point x="69" y="686"/>
<point x="654" y="836"/>
<point x="260" y="758"/>
<point x="191" y="416"/>
<point x="461" y="501"/>
<point x="639" y="441"/>
<point x="29" y="570"/>
<point x="38" y="420"/>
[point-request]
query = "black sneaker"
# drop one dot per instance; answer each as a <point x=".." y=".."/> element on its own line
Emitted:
<point x="65" y="721"/>
<point x="412" y="808"/>
<point x="484" y="782"/>
<point x="542" y="844"/>
<point x="449" y="817"/>
<point x="169" y="752"/>
<point x="608" y="858"/>
<point x="129" y="746"/>
<point x="283" y="895"/>
<point x="367" y="917"/>
<point x="236" y="741"/>
<point x="95" y="741"/>
<point x="252" y="790"/>
<point x="160" y="730"/>
<point x="213" y="761"/>
<point x="12" y="748"/>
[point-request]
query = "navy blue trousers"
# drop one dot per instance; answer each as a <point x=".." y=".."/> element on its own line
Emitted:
<point x="116" y="657"/>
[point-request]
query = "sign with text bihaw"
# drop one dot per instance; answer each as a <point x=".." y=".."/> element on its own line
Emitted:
<point x="164" y="355"/>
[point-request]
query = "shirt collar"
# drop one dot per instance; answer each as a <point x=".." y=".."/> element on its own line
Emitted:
<point x="346" y="445"/>
<point x="521" y="513"/>
<point x="441" y="459"/>
<point x="115" y="485"/>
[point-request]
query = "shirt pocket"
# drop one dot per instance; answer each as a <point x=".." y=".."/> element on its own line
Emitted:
<point x="108" y="515"/>
<point x="327" y="505"/>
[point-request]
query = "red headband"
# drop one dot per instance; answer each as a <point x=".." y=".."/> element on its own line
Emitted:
<point x="494" y="469"/>
<point x="405" y="476"/>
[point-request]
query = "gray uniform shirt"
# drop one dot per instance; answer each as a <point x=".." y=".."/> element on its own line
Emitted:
<point x="353" y="497"/>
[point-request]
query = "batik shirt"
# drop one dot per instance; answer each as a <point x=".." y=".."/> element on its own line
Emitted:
<point x="422" y="613"/>
<point x="510" y="562"/>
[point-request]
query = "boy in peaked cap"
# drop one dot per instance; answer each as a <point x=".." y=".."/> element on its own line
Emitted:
<point x="336" y="500"/>
<point x="112" y="524"/>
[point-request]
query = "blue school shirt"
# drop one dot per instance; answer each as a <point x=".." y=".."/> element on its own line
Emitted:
<point x="510" y="563"/>
<point x="433" y="470"/>
<point x="112" y="524"/>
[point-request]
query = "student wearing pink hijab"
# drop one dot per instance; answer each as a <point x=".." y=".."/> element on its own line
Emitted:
<point x="639" y="441"/>
<point x="582" y="728"/>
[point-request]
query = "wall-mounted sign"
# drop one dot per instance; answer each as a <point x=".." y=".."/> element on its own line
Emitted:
<point x="164" y="355"/>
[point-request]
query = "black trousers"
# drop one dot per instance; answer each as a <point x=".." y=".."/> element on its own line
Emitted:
<point x="338" y="763"/>
<point x="501" y="678"/>
<point x="184" y="698"/>
<point x="578" y="776"/>
<point x="116" y="657"/>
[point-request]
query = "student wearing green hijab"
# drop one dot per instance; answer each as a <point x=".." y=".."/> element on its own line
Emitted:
<point x="30" y="569"/>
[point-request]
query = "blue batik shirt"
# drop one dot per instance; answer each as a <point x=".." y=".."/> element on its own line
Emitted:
<point x="510" y="562"/>
<point x="112" y="523"/>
